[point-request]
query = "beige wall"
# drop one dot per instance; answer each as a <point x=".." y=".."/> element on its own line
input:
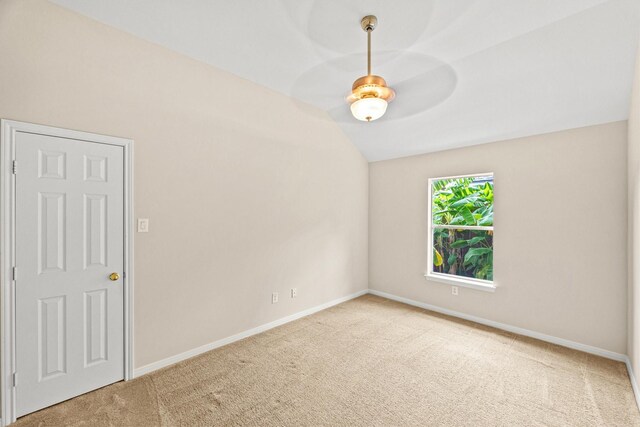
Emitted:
<point x="560" y="232"/>
<point x="250" y="193"/>
<point x="247" y="192"/>
<point x="634" y="222"/>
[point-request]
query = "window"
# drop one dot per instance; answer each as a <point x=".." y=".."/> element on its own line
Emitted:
<point x="461" y="230"/>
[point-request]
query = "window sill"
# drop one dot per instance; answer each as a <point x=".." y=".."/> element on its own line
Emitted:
<point x="480" y="285"/>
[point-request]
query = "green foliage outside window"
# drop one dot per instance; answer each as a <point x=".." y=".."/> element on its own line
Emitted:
<point x="464" y="202"/>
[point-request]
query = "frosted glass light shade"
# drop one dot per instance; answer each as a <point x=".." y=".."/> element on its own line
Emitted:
<point x="369" y="109"/>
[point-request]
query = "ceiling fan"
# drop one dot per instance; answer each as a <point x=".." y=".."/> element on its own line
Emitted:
<point x="370" y="94"/>
<point x="420" y="82"/>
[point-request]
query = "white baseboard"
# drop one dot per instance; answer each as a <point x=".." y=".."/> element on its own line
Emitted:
<point x="521" y="331"/>
<point x="224" y="341"/>
<point x="516" y="330"/>
<point x="632" y="378"/>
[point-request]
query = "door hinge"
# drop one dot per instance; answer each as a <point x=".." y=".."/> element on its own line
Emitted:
<point x="14" y="167"/>
<point x="14" y="273"/>
<point x="14" y="379"/>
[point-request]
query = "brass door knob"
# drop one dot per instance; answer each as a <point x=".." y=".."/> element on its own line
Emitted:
<point x="114" y="276"/>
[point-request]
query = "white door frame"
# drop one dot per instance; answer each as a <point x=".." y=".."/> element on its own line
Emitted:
<point x="8" y="129"/>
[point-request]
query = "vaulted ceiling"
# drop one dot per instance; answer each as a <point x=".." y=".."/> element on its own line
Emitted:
<point x="465" y="71"/>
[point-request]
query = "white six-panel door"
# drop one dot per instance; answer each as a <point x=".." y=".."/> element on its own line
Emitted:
<point x="69" y="239"/>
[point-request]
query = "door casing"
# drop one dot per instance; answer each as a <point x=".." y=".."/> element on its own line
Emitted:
<point x="8" y="129"/>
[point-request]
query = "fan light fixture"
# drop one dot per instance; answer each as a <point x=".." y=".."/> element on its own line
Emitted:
<point x="369" y="95"/>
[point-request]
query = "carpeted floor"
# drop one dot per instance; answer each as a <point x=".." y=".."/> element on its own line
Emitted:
<point x="368" y="362"/>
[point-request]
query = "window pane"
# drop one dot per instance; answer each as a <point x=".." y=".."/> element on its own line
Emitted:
<point x="466" y="253"/>
<point x="463" y="201"/>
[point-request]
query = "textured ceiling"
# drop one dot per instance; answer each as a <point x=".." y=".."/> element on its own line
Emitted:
<point x="465" y="71"/>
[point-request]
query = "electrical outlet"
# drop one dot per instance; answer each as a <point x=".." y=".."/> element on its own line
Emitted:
<point x="274" y="298"/>
<point x="143" y="225"/>
<point x="294" y="292"/>
<point x="454" y="290"/>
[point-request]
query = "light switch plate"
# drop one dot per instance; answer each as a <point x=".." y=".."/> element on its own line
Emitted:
<point x="143" y="225"/>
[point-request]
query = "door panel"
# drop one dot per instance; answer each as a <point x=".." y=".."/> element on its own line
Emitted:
<point x="69" y="239"/>
<point x="52" y="350"/>
<point x="95" y="230"/>
<point x="51" y="232"/>
<point x="95" y="326"/>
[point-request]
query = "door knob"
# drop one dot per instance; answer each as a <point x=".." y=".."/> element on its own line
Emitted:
<point x="114" y="276"/>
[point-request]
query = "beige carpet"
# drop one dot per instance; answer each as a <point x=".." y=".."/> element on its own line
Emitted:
<point x="368" y="362"/>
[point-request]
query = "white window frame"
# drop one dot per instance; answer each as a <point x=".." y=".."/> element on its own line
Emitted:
<point x="432" y="276"/>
